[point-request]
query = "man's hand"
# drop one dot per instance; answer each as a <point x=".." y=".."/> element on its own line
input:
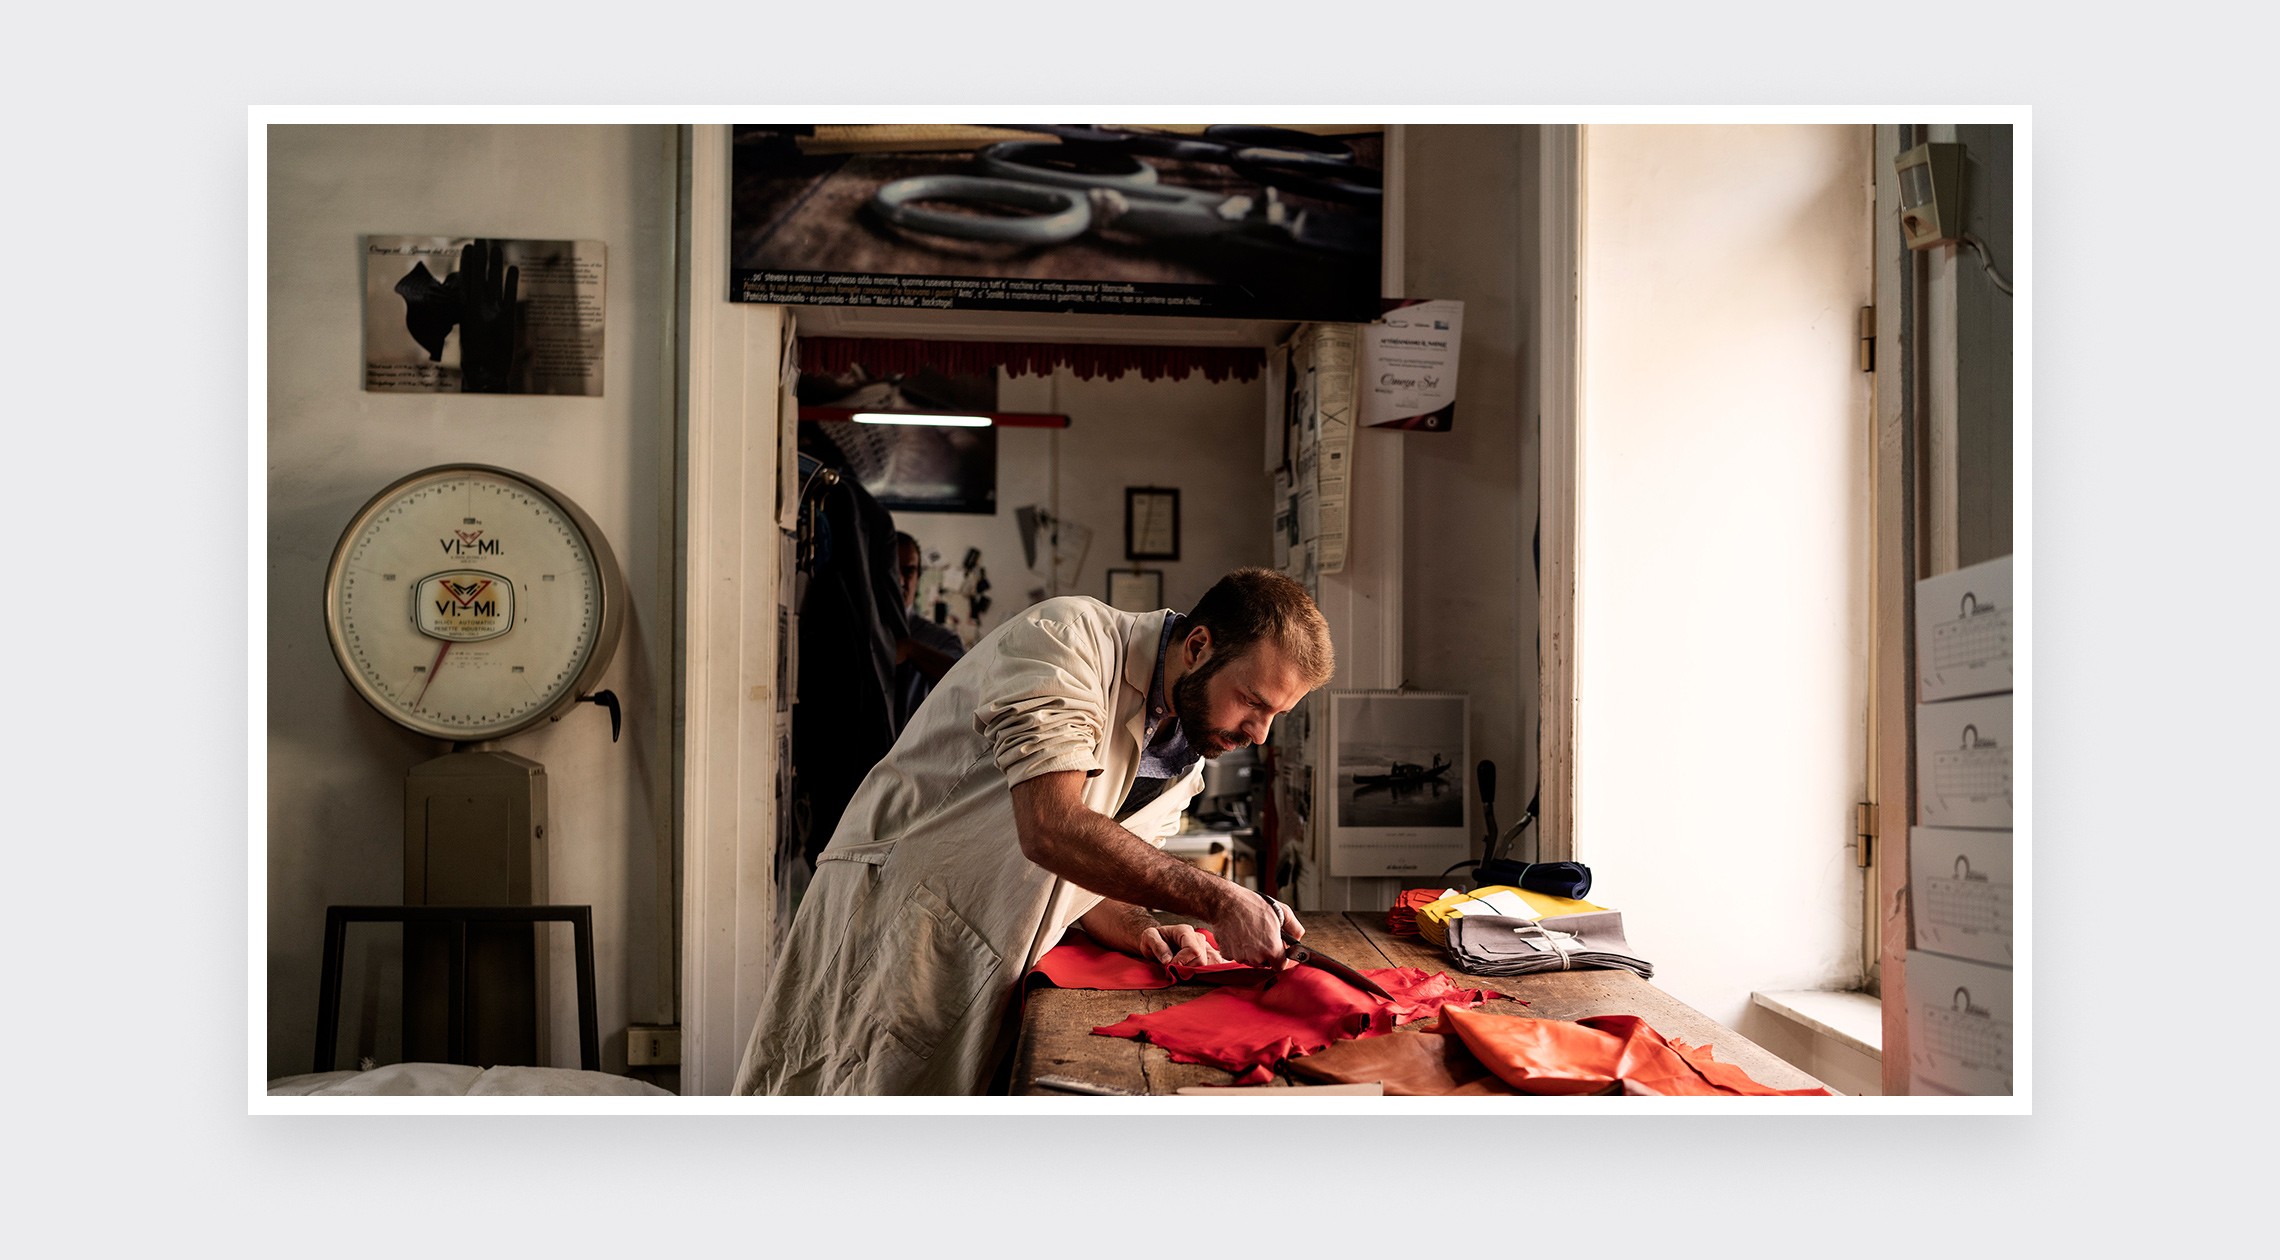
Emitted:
<point x="1251" y="928"/>
<point x="1178" y="945"/>
<point x="1060" y="834"/>
<point x="1135" y="931"/>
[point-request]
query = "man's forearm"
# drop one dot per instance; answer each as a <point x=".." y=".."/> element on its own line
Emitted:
<point x="1118" y="925"/>
<point x="1091" y="851"/>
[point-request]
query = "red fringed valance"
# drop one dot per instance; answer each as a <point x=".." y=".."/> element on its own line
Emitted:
<point x="831" y="356"/>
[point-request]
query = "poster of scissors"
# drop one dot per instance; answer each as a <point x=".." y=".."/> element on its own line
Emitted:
<point x="1223" y="221"/>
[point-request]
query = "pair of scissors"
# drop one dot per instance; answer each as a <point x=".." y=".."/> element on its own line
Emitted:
<point x="1307" y="956"/>
<point x="1073" y="187"/>
<point x="1321" y="167"/>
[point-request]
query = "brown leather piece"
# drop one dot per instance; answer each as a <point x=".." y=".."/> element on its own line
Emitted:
<point x="1423" y="1060"/>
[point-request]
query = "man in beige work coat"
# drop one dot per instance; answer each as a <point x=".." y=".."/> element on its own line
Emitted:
<point x="1007" y="811"/>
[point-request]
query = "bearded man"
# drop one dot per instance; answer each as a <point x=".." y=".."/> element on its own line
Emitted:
<point x="1032" y="790"/>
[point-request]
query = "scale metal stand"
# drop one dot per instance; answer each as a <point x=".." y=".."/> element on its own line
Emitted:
<point x="475" y="835"/>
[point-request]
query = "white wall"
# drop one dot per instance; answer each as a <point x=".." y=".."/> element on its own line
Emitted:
<point x="1453" y="510"/>
<point x="1470" y="503"/>
<point x="335" y="767"/>
<point x="1721" y="604"/>
<point x="1202" y="437"/>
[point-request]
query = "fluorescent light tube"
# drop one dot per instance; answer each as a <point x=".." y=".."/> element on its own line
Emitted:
<point x="920" y="417"/>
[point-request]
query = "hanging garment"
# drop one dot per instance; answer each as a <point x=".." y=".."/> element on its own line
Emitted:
<point x="1249" y="1030"/>
<point x="1586" y="1056"/>
<point x="850" y="619"/>
<point x="1080" y="962"/>
<point x="1433" y="919"/>
<point x="1495" y="945"/>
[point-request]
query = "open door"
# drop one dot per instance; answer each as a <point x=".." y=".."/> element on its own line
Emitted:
<point x="1942" y="341"/>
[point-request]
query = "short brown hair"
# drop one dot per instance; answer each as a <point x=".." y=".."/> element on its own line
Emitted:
<point x="1251" y="604"/>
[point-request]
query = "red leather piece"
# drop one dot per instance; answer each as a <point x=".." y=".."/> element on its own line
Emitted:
<point x="1080" y="962"/>
<point x="1401" y="919"/>
<point x="1249" y="1030"/>
<point x="1587" y="1056"/>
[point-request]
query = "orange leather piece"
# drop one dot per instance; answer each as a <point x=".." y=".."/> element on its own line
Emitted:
<point x="1591" y="1055"/>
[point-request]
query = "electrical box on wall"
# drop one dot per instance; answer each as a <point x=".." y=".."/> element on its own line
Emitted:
<point x="1931" y="194"/>
<point x="652" y="1045"/>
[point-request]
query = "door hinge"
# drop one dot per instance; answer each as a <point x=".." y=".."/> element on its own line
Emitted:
<point x="1864" y="834"/>
<point x="1868" y="339"/>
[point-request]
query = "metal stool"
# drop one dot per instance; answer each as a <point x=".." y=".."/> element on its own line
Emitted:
<point x="337" y="919"/>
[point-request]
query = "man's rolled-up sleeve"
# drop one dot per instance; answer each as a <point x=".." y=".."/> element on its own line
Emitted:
<point x="1041" y="709"/>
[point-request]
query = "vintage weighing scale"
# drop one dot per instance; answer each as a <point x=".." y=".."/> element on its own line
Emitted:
<point x="468" y="603"/>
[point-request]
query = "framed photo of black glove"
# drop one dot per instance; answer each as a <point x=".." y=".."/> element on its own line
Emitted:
<point x="467" y="315"/>
<point x="1151" y="523"/>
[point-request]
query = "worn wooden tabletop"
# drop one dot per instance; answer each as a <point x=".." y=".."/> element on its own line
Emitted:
<point x="1058" y="1045"/>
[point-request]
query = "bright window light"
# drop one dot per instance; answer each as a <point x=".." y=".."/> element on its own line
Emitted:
<point x="920" y="417"/>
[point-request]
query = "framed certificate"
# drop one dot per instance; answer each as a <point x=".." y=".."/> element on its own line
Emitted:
<point x="1136" y="590"/>
<point x="1151" y="523"/>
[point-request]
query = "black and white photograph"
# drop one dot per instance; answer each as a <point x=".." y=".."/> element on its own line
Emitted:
<point x="1400" y="777"/>
<point x="916" y="466"/>
<point x="1232" y="221"/>
<point x="1399" y="759"/>
<point x="461" y="315"/>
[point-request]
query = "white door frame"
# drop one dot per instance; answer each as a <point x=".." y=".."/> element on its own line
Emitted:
<point x="730" y="581"/>
<point x="1559" y="219"/>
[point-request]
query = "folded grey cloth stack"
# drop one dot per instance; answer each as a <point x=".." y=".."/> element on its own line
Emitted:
<point x="1494" y="945"/>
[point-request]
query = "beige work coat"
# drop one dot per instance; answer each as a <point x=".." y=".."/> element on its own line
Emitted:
<point x="923" y="915"/>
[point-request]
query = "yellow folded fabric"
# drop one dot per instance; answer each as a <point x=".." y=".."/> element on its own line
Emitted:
<point x="1433" y="919"/>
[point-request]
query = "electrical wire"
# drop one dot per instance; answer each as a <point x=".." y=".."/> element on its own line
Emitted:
<point x="1987" y="262"/>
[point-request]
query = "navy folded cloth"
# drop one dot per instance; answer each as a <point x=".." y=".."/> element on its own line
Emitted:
<point x="1554" y="879"/>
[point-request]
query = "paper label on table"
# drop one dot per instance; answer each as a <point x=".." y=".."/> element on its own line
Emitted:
<point x="1505" y="903"/>
<point x="1546" y="942"/>
<point x="1963" y="632"/>
<point x="1959" y="1025"/>
<point x="1960" y="892"/>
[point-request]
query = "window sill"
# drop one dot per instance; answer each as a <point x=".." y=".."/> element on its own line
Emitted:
<point x="1850" y="1018"/>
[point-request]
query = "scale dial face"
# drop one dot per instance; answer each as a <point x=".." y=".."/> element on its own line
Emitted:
<point x="467" y="602"/>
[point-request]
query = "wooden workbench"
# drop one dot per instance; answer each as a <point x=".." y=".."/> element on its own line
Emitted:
<point x="1057" y="1040"/>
